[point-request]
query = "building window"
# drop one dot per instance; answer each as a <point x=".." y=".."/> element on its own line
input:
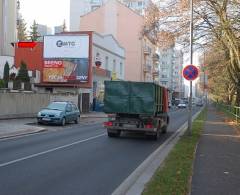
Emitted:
<point x="106" y="63"/>
<point x="95" y="1"/>
<point x="121" y="68"/>
<point x="94" y="7"/>
<point x="114" y="65"/>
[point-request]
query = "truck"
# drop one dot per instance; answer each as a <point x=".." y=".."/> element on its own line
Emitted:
<point x="140" y="107"/>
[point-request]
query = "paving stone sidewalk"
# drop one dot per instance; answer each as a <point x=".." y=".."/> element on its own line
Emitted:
<point x="216" y="167"/>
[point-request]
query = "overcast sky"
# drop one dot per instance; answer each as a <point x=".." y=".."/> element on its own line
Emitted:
<point x="46" y="12"/>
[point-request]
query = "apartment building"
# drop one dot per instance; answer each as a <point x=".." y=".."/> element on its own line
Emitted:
<point x="170" y="65"/>
<point x="43" y="30"/>
<point x="8" y="31"/>
<point x="8" y="22"/>
<point x="79" y="8"/>
<point x="126" y="26"/>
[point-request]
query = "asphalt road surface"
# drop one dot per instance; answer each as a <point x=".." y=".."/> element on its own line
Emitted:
<point x="78" y="159"/>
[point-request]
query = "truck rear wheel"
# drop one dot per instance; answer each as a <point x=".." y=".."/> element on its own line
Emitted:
<point x="164" y="129"/>
<point x="113" y="134"/>
<point x="154" y="136"/>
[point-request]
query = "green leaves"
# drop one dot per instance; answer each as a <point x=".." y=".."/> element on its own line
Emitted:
<point x="23" y="73"/>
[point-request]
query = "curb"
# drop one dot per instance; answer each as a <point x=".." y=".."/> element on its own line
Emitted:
<point x="135" y="182"/>
<point x="22" y="133"/>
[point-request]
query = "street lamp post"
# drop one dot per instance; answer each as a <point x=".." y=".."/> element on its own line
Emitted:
<point x="191" y="60"/>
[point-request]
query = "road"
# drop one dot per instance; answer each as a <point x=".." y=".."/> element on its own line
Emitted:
<point x="79" y="159"/>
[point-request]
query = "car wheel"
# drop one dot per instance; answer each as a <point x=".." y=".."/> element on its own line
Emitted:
<point x="63" y="123"/>
<point x="114" y="134"/>
<point x="164" y="129"/>
<point x="77" y="119"/>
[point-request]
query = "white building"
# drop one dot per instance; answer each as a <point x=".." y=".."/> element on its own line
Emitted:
<point x="177" y="74"/>
<point x="8" y="28"/>
<point x="8" y="31"/>
<point x="171" y="64"/>
<point x="112" y="57"/>
<point x="58" y="29"/>
<point x="43" y="30"/>
<point x="81" y="7"/>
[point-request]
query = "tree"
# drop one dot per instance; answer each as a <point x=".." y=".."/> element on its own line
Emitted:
<point x="219" y="82"/>
<point x="21" y="29"/>
<point x="23" y="73"/>
<point x="64" y="26"/>
<point x="2" y="83"/>
<point x="216" y="24"/>
<point x="34" y="35"/>
<point x="6" y="74"/>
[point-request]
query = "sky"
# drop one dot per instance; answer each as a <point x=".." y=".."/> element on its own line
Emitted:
<point x="47" y="12"/>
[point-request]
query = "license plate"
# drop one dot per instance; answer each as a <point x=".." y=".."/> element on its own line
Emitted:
<point x="46" y="119"/>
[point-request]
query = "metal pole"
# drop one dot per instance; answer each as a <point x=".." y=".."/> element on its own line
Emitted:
<point x="191" y="60"/>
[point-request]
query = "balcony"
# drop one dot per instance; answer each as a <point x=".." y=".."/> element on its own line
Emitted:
<point x="147" y="68"/>
<point x="155" y="58"/>
<point x="147" y="51"/>
<point x="155" y="73"/>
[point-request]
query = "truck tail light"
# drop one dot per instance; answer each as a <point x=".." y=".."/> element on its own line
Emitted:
<point x="108" y="124"/>
<point x="149" y="126"/>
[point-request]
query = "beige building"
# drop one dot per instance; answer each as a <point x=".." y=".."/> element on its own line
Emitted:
<point x="8" y="32"/>
<point x="81" y="7"/>
<point x="125" y="25"/>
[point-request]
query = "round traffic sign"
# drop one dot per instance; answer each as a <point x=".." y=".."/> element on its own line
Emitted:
<point x="190" y="72"/>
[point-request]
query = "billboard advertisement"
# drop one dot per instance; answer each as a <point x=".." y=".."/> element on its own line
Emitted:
<point x="66" y="58"/>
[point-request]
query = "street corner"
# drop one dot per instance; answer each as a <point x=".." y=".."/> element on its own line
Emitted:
<point x="21" y="130"/>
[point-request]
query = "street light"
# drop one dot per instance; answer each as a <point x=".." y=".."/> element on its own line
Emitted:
<point x="191" y="60"/>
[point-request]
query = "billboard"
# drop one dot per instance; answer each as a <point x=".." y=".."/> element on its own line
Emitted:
<point x="66" y="58"/>
<point x="66" y="46"/>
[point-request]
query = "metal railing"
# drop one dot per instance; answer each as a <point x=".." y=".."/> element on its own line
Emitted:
<point x="233" y="110"/>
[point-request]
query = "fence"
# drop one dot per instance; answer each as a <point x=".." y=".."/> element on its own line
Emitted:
<point x="233" y="110"/>
<point x="17" y="104"/>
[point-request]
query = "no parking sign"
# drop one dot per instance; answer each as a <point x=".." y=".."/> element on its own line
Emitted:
<point x="190" y="72"/>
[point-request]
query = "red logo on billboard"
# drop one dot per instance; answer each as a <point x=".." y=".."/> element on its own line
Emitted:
<point x="70" y="78"/>
<point x="53" y="64"/>
<point x="26" y="44"/>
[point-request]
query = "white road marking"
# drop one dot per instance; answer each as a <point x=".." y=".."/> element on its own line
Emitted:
<point x="51" y="150"/>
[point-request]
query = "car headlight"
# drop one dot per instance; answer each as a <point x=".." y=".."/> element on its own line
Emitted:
<point x="58" y="114"/>
<point x="39" y="114"/>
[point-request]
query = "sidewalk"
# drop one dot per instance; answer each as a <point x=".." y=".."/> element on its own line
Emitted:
<point x="22" y="126"/>
<point x="216" y="168"/>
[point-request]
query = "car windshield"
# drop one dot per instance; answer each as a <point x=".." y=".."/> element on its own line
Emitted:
<point x="57" y="106"/>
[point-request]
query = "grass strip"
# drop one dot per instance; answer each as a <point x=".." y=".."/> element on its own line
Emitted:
<point x="174" y="176"/>
<point x="229" y="115"/>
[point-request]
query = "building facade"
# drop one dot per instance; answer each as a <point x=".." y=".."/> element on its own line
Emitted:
<point x="58" y="29"/>
<point x="8" y="32"/>
<point x="8" y="26"/>
<point x="170" y="65"/>
<point x="125" y="25"/>
<point x="55" y="71"/>
<point x="82" y="7"/>
<point x="43" y="30"/>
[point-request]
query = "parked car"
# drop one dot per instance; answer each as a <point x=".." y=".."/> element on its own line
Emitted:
<point x="59" y="112"/>
<point x="182" y="105"/>
<point x="169" y="105"/>
<point x="199" y="103"/>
